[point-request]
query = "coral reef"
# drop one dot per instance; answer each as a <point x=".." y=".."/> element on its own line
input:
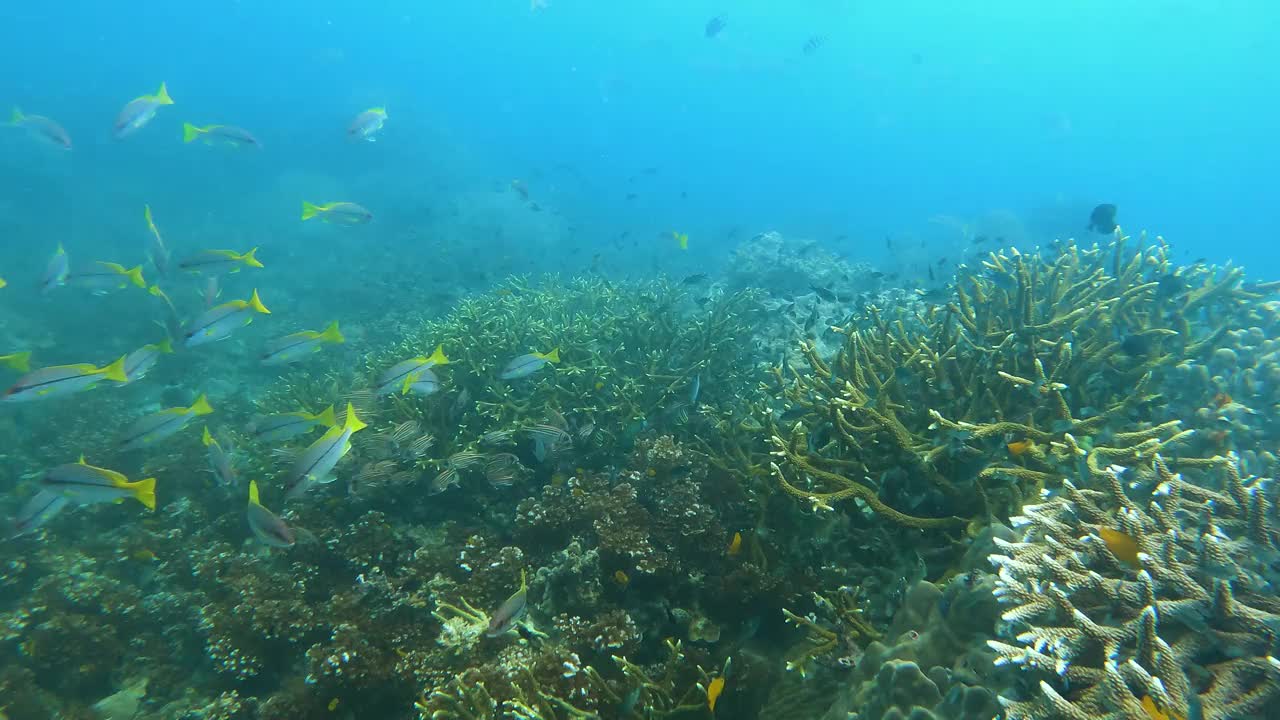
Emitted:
<point x="1153" y="596"/>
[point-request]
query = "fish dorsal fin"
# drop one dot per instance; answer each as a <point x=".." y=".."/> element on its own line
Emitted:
<point x="253" y="493"/>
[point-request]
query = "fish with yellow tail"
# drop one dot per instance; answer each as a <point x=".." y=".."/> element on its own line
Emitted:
<point x="529" y="364"/>
<point x="56" y="271"/>
<point x="41" y="127"/>
<point x="368" y="124"/>
<point x="219" y="135"/>
<point x="158" y="252"/>
<point x="3" y="283"/>
<point x="37" y="511"/>
<point x="101" y="277"/>
<point x="62" y="380"/>
<point x="272" y="428"/>
<point x="20" y="361"/>
<point x="139" y="111"/>
<point x="83" y="484"/>
<point x="157" y="426"/>
<point x="337" y="213"/>
<point x="292" y="348"/>
<point x="316" y="463"/>
<point x="220" y="261"/>
<point x="139" y="362"/>
<point x="1123" y="546"/>
<point x="400" y="378"/>
<point x="682" y="239"/>
<point x="266" y="526"/>
<point x="219" y="322"/>
<point x="220" y="460"/>
<point x="504" y="619"/>
<point x="735" y="545"/>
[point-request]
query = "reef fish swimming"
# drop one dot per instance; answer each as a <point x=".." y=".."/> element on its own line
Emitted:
<point x="405" y="373"/>
<point x="1102" y="219"/>
<point x="266" y="526"/>
<point x="317" y="461"/>
<point x="368" y="124"/>
<point x="528" y="364"/>
<point x="510" y="612"/>
<point x="296" y="346"/>
<point x="157" y="426"/>
<point x="43" y="128"/>
<point x="84" y="484"/>
<point x="139" y="111"/>
<point x="270" y="428"/>
<point x="219" y="134"/>
<point x="63" y="380"/>
<point x="219" y="322"/>
<point x="337" y="213"/>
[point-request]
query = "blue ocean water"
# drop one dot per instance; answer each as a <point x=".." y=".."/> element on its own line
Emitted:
<point x="906" y="112"/>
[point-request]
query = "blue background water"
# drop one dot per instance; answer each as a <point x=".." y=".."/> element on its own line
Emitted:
<point x="911" y="111"/>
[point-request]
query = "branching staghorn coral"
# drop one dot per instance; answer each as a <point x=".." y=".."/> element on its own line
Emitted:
<point x="1151" y="597"/>
<point x="1035" y="357"/>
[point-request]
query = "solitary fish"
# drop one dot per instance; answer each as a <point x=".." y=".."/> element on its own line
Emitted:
<point x="38" y="511"/>
<point x="140" y="111"/>
<point x="56" y="271"/>
<point x="20" y="361"/>
<point x="337" y="213"/>
<point x="160" y="425"/>
<point x="139" y="362"/>
<point x="510" y="612"/>
<point x="318" y="460"/>
<point x="63" y="380"/>
<point x="270" y="428"/>
<point x="219" y="134"/>
<point x="266" y="525"/>
<point x="43" y="128"/>
<point x="101" y="277"/>
<point x="292" y="348"/>
<point x="368" y="124"/>
<point x="219" y="322"/>
<point x="529" y="364"/>
<point x="1102" y="219"/>
<point x="813" y="43"/>
<point x="220" y="261"/>
<point x="219" y="460"/>
<point x="84" y="484"/>
<point x="158" y="252"/>
<point x="714" y="26"/>
<point x="404" y="373"/>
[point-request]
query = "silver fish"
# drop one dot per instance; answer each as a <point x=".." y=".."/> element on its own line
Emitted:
<point x="39" y="510"/>
<point x="266" y="525"/>
<point x="510" y="612"/>
<point x="63" y="380"/>
<point x="139" y="111"/>
<point x="296" y="346"/>
<point x="219" y="322"/>
<point x="160" y="425"/>
<point x="220" y="460"/>
<point x="84" y="484"/>
<point x="139" y="362"/>
<point x="271" y="428"/>
<point x="318" y="460"/>
<point x="528" y="364"/>
<point x="57" y="271"/>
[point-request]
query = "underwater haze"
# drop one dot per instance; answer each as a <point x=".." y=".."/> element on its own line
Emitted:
<point x="562" y="359"/>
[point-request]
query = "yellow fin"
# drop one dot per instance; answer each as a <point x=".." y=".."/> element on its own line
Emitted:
<point x="683" y="239"/>
<point x="145" y="492"/>
<point x="552" y="357"/>
<point x="17" y="116"/>
<point x="310" y="210"/>
<point x="162" y="96"/>
<point x="146" y="214"/>
<point x="200" y="407"/>
<point x="3" y="283"/>
<point x="331" y="334"/>
<point x="380" y="110"/>
<point x="253" y="493"/>
<point x="165" y="346"/>
<point x="135" y="276"/>
<point x="249" y="259"/>
<point x="437" y="357"/>
<point x="206" y="438"/>
<point x="1123" y="546"/>
<point x="255" y="302"/>
<point x="114" y="371"/>
<point x="327" y="417"/>
<point x="353" y="423"/>
<point x="190" y="132"/>
<point x="20" y="361"/>
<point x="713" y="693"/>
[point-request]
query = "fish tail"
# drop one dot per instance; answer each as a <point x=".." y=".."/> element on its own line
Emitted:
<point x="255" y="302"/>
<point x="115" y="371"/>
<point x="353" y="423"/>
<point x="684" y="241"/>
<point x="145" y="492"/>
<point x="18" y="361"/>
<point x="165" y="346"/>
<point x="331" y="334"/>
<point x="162" y="95"/>
<point x="310" y="210"/>
<point x="553" y="356"/>
<point x="249" y="259"/>
<point x="327" y="417"/>
<point x="206" y="438"/>
<point x="135" y="276"/>
<point x="17" y="116"/>
<point x="438" y="356"/>
<point x="201" y="406"/>
<point x="190" y="132"/>
<point x="253" y="493"/>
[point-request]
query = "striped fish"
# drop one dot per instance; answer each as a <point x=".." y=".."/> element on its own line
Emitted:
<point x="219" y="322"/>
<point x="318" y="460"/>
<point x="266" y="525"/>
<point x="84" y="484"/>
<point x="63" y="380"/>
<point x="404" y="373"/>
<point x="166" y="423"/>
<point x="39" y="510"/>
<point x="271" y="428"/>
<point x="529" y="364"/>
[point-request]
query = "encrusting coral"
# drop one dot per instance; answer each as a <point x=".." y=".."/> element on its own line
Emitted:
<point x="1152" y="597"/>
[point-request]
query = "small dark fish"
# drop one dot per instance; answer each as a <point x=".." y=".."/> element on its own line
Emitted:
<point x="824" y="293"/>
<point x="931" y="274"/>
<point x="1137" y="345"/>
<point x="684" y="195"/>
<point x="1102" y="219"/>
<point x="979" y="239"/>
<point x="877" y="274"/>
<point x="694" y="279"/>
<point x="813" y="43"/>
<point x="942" y="261"/>
<point x="812" y="320"/>
<point x="632" y="196"/>
<point x="1170" y="285"/>
<point x="715" y="25"/>
<point x="888" y="242"/>
<point x="535" y="207"/>
<point x="794" y="413"/>
<point x="695" y="387"/>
